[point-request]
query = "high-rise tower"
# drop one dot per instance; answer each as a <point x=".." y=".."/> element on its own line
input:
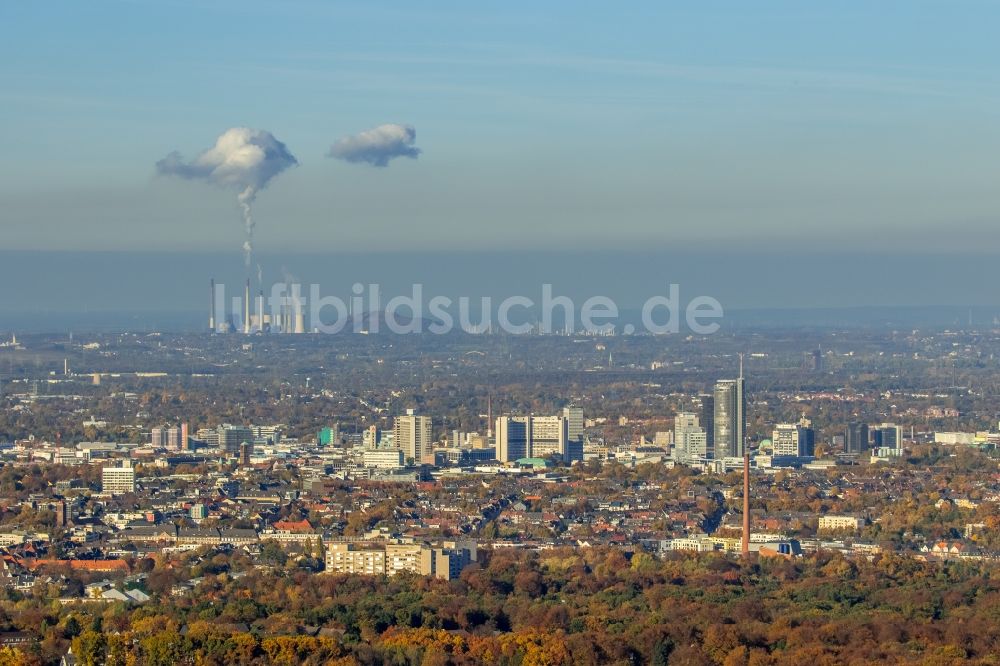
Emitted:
<point x="856" y="437"/>
<point x="730" y="417"/>
<point x="412" y="434"/>
<point x="211" y="307"/>
<point x="707" y="422"/>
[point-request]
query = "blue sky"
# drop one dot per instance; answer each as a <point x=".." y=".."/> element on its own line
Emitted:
<point x="575" y="125"/>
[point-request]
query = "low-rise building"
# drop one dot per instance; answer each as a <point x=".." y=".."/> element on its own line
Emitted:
<point x="833" y="523"/>
<point x="444" y="560"/>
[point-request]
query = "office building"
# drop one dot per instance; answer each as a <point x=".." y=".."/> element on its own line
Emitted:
<point x="856" y="438"/>
<point x="533" y="437"/>
<point x="707" y="421"/>
<point x="383" y="458"/>
<point x="229" y="437"/>
<point x="462" y="456"/>
<point x="174" y="438"/>
<point x="887" y="436"/>
<point x="548" y="436"/>
<point x="268" y="434"/>
<point x="513" y="435"/>
<point x="817" y="360"/>
<point x="690" y="441"/>
<point x="474" y="440"/>
<point x="371" y="437"/>
<point x="793" y="439"/>
<point x="729" y="418"/>
<point x="412" y="435"/>
<point x="574" y="423"/>
<point x="118" y="480"/>
<point x="695" y="445"/>
<point x="328" y="436"/>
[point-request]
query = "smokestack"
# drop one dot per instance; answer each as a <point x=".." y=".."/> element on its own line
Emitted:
<point x="300" y="322"/>
<point x="260" y="311"/>
<point x="296" y="319"/>
<point x="746" y="504"/>
<point x="211" y="306"/>
<point x="246" y="308"/>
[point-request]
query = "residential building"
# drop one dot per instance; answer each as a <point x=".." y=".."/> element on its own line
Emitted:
<point x="833" y="523"/>
<point x="441" y="560"/>
<point x="352" y="558"/>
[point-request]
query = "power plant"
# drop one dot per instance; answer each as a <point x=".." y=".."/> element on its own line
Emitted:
<point x="248" y="315"/>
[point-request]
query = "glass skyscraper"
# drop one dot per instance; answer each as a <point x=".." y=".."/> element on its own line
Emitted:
<point x="729" y="436"/>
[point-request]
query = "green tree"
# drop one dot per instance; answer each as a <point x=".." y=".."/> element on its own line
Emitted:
<point x="89" y="648"/>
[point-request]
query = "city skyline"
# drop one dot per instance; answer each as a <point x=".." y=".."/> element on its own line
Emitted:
<point x="565" y="333"/>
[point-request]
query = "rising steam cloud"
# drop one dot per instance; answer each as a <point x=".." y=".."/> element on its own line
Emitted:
<point x="242" y="158"/>
<point x="377" y="146"/>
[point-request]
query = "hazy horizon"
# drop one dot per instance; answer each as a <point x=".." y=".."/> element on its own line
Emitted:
<point x="59" y="285"/>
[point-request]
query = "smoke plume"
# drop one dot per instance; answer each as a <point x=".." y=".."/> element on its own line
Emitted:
<point x="242" y="158"/>
<point x="377" y="146"/>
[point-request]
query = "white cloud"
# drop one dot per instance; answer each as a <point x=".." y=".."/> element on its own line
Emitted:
<point x="241" y="158"/>
<point x="377" y="146"/>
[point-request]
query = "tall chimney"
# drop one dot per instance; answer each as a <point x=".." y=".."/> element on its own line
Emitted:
<point x="746" y="503"/>
<point x="260" y="311"/>
<point x="246" y="308"/>
<point x="211" y="307"/>
<point x="300" y="324"/>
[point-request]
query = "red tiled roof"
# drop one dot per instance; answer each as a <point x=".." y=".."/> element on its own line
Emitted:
<point x="81" y="565"/>
<point x="293" y="526"/>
